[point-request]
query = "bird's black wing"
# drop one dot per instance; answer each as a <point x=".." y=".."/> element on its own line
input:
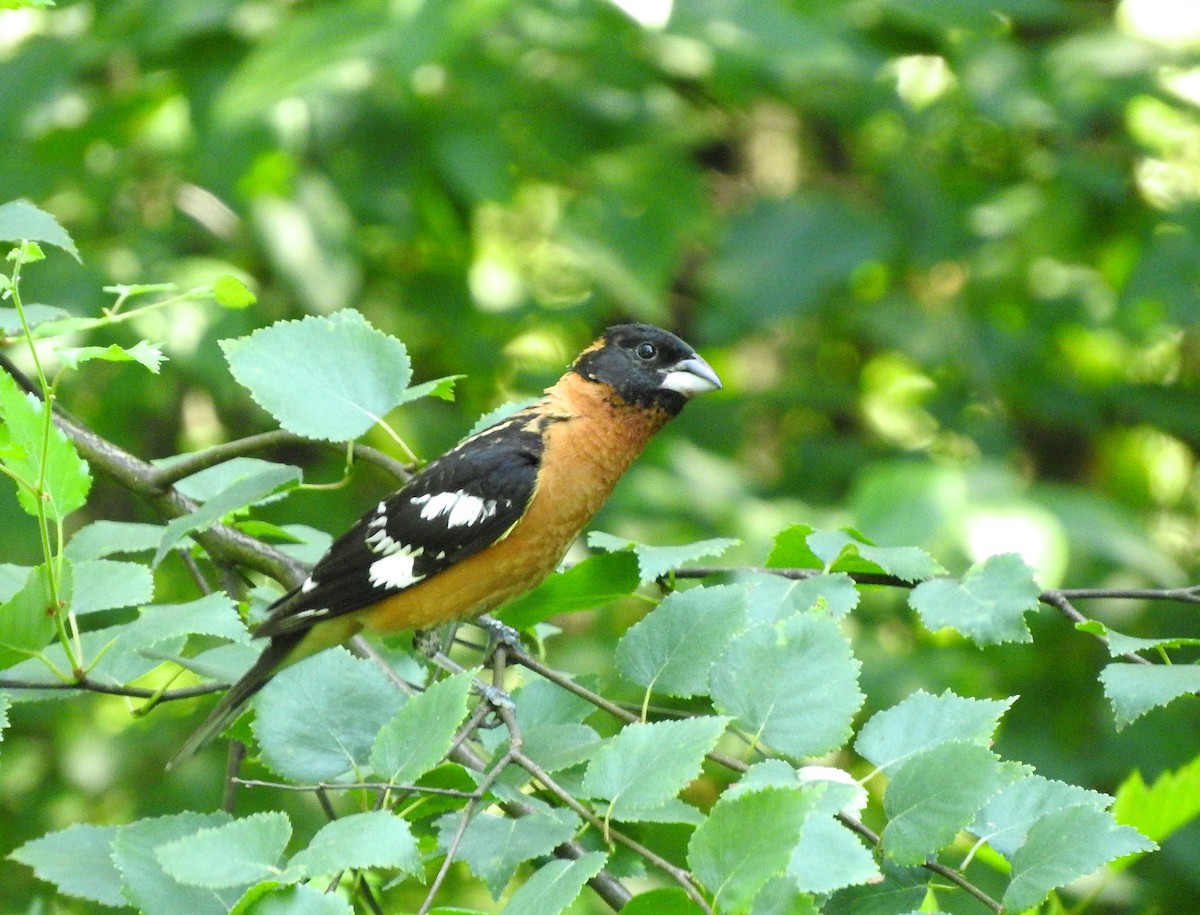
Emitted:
<point x="458" y="505"/>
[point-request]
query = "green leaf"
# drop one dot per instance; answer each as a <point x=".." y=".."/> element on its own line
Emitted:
<point x="745" y="842"/>
<point x="1119" y="644"/>
<point x="246" y="491"/>
<point x="646" y="765"/>
<point x="665" y="901"/>
<point x="1063" y="846"/>
<point x="330" y="378"/>
<point x="791" y="550"/>
<point x="304" y="724"/>
<point x="441" y="388"/>
<point x="656" y="561"/>
<point x="102" y="584"/>
<point x="828" y="856"/>
<point x="144" y="353"/>
<point x="793" y="685"/>
<point x="230" y="855"/>
<point x="596" y="581"/>
<point x="271" y="898"/>
<point x="26" y="619"/>
<point x="493" y="846"/>
<point x="377" y="838"/>
<point x="4" y="705"/>
<point x="106" y="538"/>
<point x="1005" y="820"/>
<point x="214" y="614"/>
<point x="35" y="314"/>
<point x="22" y="221"/>
<point x="77" y="861"/>
<point x="420" y="734"/>
<point x="922" y="721"/>
<point x="773" y="598"/>
<point x="151" y="889"/>
<point x="850" y="551"/>
<point x="230" y="292"/>
<point x="555" y="886"/>
<point x="934" y="795"/>
<point x="672" y="649"/>
<point x="66" y="479"/>
<point x="988" y="606"/>
<point x="1158" y="810"/>
<point x="1134" y="689"/>
<point x="899" y="893"/>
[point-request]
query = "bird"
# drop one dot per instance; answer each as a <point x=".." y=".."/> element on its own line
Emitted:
<point x="487" y="521"/>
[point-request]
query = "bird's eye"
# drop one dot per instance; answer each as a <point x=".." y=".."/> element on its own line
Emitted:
<point x="646" y="350"/>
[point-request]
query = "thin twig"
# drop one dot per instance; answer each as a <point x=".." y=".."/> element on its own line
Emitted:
<point x="108" y="689"/>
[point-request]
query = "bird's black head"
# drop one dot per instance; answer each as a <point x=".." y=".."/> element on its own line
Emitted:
<point x="647" y="365"/>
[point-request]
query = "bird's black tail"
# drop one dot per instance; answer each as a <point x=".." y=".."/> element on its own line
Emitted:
<point x="225" y="712"/>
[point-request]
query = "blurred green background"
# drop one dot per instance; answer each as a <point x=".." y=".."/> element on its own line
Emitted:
<point x="945" y="255"/>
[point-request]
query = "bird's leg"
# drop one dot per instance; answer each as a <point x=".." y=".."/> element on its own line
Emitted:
<point x="498" y="634"/>
<point x="435" y="641"/>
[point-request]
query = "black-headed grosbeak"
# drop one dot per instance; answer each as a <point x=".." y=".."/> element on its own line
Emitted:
<point x="489" y="519"/>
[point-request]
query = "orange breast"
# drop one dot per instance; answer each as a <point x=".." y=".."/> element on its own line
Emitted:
<point x="586" y="453"/>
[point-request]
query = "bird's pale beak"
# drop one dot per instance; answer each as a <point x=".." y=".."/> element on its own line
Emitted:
<point x="691" y="376"/>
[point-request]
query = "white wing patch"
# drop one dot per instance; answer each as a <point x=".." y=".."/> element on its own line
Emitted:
<point x="395" y="569"/>
<point x="460" y="508"/>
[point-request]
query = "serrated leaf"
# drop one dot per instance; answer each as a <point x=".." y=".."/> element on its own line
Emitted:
<point x="1006" y="818"/>
<point x="495" y="415"/>
<point x="934" y="795"/>
<point x="921" y="721"/>
<point x="900" y="892"/>
<point x="656" y="561"/>
<point x="773" y="598"/>
<point x="828" y="856"/>
<point x="214" y="614"/>
<point x="645" y="765"/>
<point x="271" y="898"/>
<point x="988" y="606"/>
<point x="791" y="550"/>
<point x="77" y="861"/>
<point x="26" y="619"/>
<point x="555" y="886"/>
<point x="246" y="491"/>
<point x="596" y="581"/>
<point x="230" y="855"/>
<point x="102" y="584"/>
<point x="302" y="724"/>
<point x="664" y="901"/>
<point x="1158" y="810"/>
<point x="419" y="735"/>
<point x="1053" y="854"/>
<point x="793" y="685"/>
<point x="378" y="838"/>
<point x="230" y="292"/>
<point x="65" y="477"/>
<point x="146" y="885"/>
<point x="1135" y="689"/>
<point x="20" y="220"/>
<point x="494" y="846"/>
<point x="35" y="314"/>
<point x="745" y="842"/>
<point x="329" y="378"/>
<point x="107" y="538"/>
<point x="672" y="649"/>
<point x="1119" y="644"/>
<point x="145" y="353"/>
<point x="441" y="388"/>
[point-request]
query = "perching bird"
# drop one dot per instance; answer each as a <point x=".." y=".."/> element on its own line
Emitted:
<point x="489" y="519"/>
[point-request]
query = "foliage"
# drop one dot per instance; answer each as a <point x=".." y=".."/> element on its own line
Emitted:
<point x="944" y="257"/>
